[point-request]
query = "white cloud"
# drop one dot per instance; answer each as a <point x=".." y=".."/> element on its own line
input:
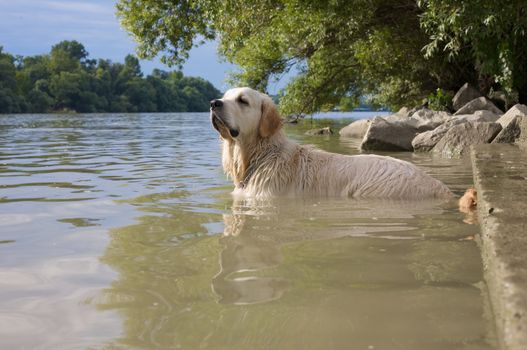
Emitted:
<point x="78" y="6"/>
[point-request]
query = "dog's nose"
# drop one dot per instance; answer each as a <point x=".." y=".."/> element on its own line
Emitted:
<point x="215" y="104"/>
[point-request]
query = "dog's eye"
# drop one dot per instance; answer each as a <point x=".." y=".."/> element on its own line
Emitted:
<point x="242" y="101"/>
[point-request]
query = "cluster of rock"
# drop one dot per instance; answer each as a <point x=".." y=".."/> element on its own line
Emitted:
<point x="476" y="120"/>
<point x="320" y="131"/>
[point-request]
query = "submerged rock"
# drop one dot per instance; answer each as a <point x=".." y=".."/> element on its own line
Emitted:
<point x="464" y="95"/>
<point x="459" y="138"/>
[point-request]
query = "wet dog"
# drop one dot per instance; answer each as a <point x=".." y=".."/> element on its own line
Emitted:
<point x="264" y="163"/>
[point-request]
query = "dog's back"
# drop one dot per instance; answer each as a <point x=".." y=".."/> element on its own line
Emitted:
<point x="370" y="176"/>
<point x="303" y="170"/>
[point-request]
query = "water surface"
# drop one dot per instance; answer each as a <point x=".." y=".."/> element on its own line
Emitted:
<point x="119" y="232"/>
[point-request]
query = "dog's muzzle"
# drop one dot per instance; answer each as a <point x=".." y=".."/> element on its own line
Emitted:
<point x="218" y="123"/>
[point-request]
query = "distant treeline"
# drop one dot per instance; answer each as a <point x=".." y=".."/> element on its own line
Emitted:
<point x="66" y="80"/>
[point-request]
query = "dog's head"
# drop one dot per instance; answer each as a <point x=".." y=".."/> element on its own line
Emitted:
<point x="243" y="113"/>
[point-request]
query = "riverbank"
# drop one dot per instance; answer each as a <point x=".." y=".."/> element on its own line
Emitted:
<point x="500" y="171"/>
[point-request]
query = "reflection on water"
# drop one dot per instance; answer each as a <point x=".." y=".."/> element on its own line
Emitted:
<point x="255" y="233"/>
<point x="118" y="232"/>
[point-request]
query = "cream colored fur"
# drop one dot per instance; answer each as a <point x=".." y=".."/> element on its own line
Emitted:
<point x="263" y="162"/>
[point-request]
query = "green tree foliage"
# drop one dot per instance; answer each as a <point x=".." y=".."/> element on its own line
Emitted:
<point x="67" y="79"/>
<point x="10" y="102"/>
<point x="396" y="51"/>
<point x="491" y="34"/>
<point x="440" y="100"/>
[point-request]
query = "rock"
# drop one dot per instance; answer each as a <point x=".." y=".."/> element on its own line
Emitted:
<point x="422" y="119"/>
<point x="415" y="109"/>
<point x="396" y="118"/>
<point x="425" y="141"/>
<point x="383" y="135"/>
<point x="464" y="95"/>
<point x="404" y="112"/>
<point x="356" y="129"/>
<point x="514" y="132"/>
<point x="499" y="98"/>
<point x="459" y="138"/>
<point x="515" y="110"/>
<point x="477" y="116"/>
<point x="321" y="131"/>
<point x="396" y="131"/>
<point x="426" y="119"/>
<point x="477" y="104"/>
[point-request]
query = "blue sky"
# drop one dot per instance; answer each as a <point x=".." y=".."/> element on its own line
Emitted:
<point x="30" y="27"/>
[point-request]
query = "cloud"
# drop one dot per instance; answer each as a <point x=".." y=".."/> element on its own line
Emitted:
<point x="74" y="6"/>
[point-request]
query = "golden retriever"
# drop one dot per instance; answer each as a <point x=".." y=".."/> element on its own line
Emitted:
<point x="264" y="163"/>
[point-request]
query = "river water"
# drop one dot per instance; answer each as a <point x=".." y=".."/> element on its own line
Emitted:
<point x="118" y="232"/>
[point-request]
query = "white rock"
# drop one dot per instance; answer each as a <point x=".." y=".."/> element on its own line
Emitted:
<point x="514" y="111"/>
<point x="480" y="103"/>
<point x="425" y="141"/>
<point x="356" y="129"/>
<point x="464" y="95"/>
<point x="459" y="138"/>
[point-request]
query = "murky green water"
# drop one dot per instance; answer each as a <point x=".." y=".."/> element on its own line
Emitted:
<point x="118" y="232"/>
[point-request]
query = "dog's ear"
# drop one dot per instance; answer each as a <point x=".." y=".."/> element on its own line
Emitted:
<point x="270" y="121"/>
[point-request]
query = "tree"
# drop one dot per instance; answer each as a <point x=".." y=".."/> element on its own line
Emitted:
<point x="132" y="68"/>
<point x="67" y="56"/>
<point x="491" y="34"/>
<point x="390" y="50"/>
<point x="65" y="88"/>
<point x="39" y="101"/>
<point x="73" y="49"/>
<point x="66" y="79"/>
<point x="167" y="99"/>
<point x="7" y="70"/>
<point x="167" y="25"/>
<point x="141" y="95"/>
<point x="10" y="101"/>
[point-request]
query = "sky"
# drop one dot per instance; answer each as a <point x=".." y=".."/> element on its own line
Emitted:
<point x="31" y="27"/>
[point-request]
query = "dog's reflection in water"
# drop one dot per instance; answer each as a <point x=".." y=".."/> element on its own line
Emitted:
<point x="255" y="231"/>
<point x="247" y="252"/>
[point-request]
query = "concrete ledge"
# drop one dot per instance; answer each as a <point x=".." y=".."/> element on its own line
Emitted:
<point x="500" y="175"/>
